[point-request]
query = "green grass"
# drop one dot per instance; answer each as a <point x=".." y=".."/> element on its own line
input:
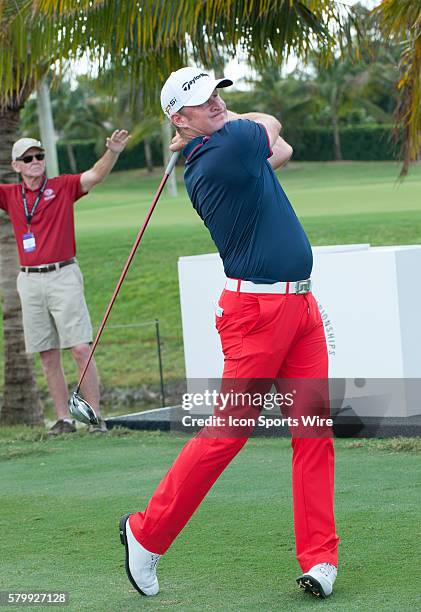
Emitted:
<point x="62" y="498"/>
<point x="337" y="203"/>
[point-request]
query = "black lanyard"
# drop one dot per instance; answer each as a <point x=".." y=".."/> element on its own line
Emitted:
<point x="28" y="214"/>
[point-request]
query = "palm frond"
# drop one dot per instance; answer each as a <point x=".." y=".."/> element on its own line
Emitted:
<point x="400" y="20"/>
<point x="153" y="37"/>
<point x="149" y="126"/>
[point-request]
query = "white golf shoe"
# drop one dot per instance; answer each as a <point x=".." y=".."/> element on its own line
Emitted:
<point x="140" y="563"/>
<point x="319" y="580"/>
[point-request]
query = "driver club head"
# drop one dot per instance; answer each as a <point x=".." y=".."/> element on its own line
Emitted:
<point x="81" y="410"/>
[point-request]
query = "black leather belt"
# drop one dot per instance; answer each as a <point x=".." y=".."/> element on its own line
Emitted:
<point x="48" y="267"/>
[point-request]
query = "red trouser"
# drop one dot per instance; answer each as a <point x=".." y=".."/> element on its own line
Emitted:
<point x="262" y="336"/>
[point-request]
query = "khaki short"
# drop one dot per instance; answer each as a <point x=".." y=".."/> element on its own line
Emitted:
<point x="55" y="314"/>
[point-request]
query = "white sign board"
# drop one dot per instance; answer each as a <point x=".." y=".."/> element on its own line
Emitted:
<point x="369" y="299"/>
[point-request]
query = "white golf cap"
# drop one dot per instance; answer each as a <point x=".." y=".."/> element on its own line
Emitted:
<point x="188" y="87"/>
<point x="23" y="144"/>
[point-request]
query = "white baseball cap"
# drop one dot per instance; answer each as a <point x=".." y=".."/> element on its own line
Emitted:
<point x="188" y="87"/>
<point x="22" y="145"/>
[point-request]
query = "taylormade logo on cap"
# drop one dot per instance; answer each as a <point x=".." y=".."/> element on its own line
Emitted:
<point x="188" y="87"/>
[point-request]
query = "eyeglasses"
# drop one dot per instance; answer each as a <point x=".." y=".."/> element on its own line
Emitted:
<point x="28" y="158"/>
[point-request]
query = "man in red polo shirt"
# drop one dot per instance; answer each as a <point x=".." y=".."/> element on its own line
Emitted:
<point x="50" y="283"/>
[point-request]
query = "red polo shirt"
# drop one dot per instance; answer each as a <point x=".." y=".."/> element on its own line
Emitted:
<point x="53" y="223"/>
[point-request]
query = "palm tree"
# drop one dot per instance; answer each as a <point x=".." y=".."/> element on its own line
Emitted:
<point x="400" y="21"/>
<point x="21" y="402"/>
<point x="343" y="92"/>
<point x="338" y="85"/>
<point x="28" y="45"/>
<point x="343" y="84"/>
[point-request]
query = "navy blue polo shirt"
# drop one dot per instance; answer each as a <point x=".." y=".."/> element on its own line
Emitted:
<point x="236" y="193"/>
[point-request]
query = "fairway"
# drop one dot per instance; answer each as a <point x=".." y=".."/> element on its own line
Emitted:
<point x="347" y="202"/>
<point x="62" y="500"/>
<point x="315" y="190"/>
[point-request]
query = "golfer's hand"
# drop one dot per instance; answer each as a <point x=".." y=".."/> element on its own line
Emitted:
<point x="118" y="140"/>
<point x="178" y="143"/>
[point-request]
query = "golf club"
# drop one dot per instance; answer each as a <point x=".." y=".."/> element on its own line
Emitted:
<point x="78" y="407"/>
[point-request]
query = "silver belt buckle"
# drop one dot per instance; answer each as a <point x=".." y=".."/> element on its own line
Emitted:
<point x="303" y="286"/>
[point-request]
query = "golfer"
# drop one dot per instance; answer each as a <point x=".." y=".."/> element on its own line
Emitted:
<point x="50" y="283"/>
<point x="267" y="319"/>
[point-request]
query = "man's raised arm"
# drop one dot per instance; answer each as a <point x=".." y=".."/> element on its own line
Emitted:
<point x="281" y="153"/>
<point x="281" y="150"/>
<point x="272" y="125"/>
<point x="99" y="171"/>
